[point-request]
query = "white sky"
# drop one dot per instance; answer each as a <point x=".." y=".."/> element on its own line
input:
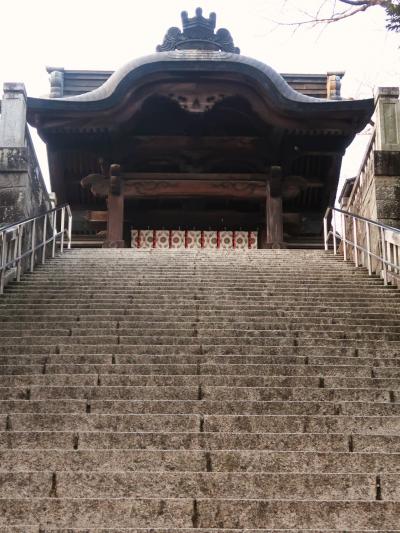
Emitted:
<point x="99" y="34"/>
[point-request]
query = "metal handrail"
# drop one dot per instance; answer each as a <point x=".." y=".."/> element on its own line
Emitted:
<point x="26" y="243"/>
<point x="380" y="255"/>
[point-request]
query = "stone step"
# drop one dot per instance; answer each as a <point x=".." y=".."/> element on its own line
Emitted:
<point x="130" y="460"/>
<point x="201" y="513"/>
<point x="246" y="485"/>
<point x="214" y="329"/>
<point x="37" y="392"/>
<point x="251" y="369"/>
<point x="389" y="425"/>
<point x="227" y="297"/>
<point x="28" y="529"/>
<point x="330" y="382"/>
<point x="200" y="407"/>
<point x="252" y="323"/>
<point x="192" y="359"/>
<point x="297" y="442"/>
<point x="43" y="315"/>
<point x="12" y="345"/>
<point x="161" y="351"/>
<point x="228" y="302"/>
<point x="231" y="350"/>
<point x="190" y="286"/>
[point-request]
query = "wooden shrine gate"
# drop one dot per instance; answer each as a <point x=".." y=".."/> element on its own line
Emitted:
<point x="119" y="186"/>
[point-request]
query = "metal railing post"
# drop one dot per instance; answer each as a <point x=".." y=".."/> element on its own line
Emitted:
<point x="44" y="239"/>
<point x="384" y="259"/>
<point x="19" y="251"/>
<point x="3" y="262"/>
<point x="326" y="233"/>
<point x="344" y="238"/>
<point x="334" y="232"/>
<point x="54" y="238"/>
<point x="33" y="243"/>
<point x="355" y="245"/>
<point x="369" y="260"/>
<point x="69" y="227"/>
<point x="62" y="230"/>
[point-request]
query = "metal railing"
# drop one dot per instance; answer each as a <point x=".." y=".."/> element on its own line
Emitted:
<point x="365" y="242"/>
<point x="28" y="242"/>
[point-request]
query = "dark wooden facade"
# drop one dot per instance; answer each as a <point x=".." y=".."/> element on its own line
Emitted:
<point x="203" y="138"/>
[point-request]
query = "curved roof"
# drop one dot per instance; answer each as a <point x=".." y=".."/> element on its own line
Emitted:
<point x="280" y="94"/>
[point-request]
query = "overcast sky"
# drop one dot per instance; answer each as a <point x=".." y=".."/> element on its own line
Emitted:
<point x="99" y="34"/>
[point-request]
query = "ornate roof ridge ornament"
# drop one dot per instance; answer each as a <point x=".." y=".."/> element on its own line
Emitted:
<point x="198" y="34"/>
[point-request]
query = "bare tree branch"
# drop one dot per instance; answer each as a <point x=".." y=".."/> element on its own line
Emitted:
<point x="353" y="8"/>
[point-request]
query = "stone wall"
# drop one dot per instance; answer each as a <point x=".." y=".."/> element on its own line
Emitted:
<point x="376" y="191"/>
<point x="23" y="193"/>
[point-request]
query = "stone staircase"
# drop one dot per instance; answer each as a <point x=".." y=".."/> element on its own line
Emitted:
<point x="197" y="391"/>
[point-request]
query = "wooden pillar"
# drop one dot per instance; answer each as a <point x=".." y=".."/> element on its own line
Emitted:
<point x="115" y="204"/>
<point x="273" y="236"/>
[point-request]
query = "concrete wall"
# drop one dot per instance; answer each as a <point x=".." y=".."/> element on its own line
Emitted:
<point x="23" y="193"/>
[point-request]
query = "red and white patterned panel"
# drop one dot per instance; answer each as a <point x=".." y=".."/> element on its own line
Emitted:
<point x="210" y="240"/>
<point x="142" y="239"/>
<point x="162" y="239"/>
<point x="136" y="236"/>
<point x="226" y="241"/>
<point x="177" y="239"/>
<point x="147" y="242"/>
<point x="240" y="240"/>
<point x="252" y="239"/>
<point x="191" y="239"/>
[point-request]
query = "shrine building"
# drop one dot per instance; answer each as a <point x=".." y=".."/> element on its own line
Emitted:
<point x="196" y="145"/>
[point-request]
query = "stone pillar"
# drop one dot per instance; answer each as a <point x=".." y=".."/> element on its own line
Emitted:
<point x="387" y="156"/>
<point x="13" y="116"/>
<point x="14" y="177"/>
<point x="387" y="115"/>
<point x="23" y="192"/>
<point x="115" y="204"/>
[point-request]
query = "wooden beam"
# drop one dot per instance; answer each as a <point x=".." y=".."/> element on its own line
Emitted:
<point x="193" y="176"/>
<point x="193" y="188"/>
<point x="97" y="216"/>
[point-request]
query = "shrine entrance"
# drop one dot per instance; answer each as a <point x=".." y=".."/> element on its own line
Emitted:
<point x="196" y="138"/>
<point x="187" y="223"/>
<point x="195" y="210"/>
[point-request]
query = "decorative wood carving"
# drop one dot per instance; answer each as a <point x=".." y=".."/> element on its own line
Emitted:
<point x="192" y="188"/>
<point x="198" y="34"/>
<point x="97" y="183"/>
<point x="149" y="184"/>
<point x="196" y="102"/>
